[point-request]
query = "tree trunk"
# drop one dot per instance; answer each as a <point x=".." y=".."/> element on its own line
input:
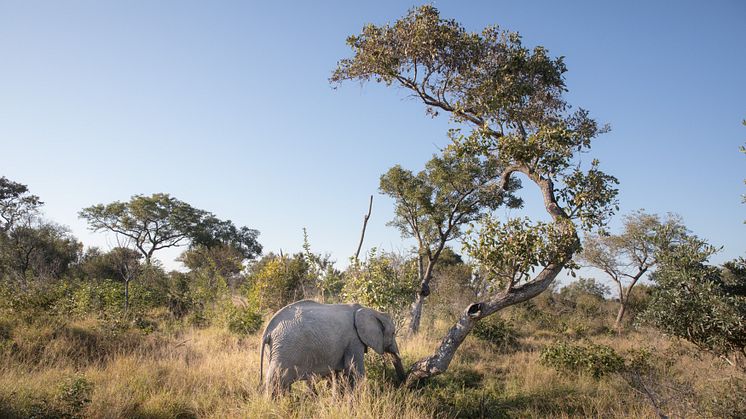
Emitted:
<point x="126" y="295"/>
<point x="624" y="296"/>
<point x="441" y="359"/>
<point x="622" y="305"/>
<point x="416" y="314"/>
<point x="620" y="314"/>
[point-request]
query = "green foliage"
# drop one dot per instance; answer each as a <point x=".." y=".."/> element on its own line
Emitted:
<point x="591" y="359"/>
<point x="210" y="232"/>
<point x="383" y="281"/>
<point x="38" y="249"/>
<point x="74" y="394"/>
<point x="120" y="264"/>
<point x="17" y="204"/>
<point x="512" y="98"/>
<point x="328" y="280"/>
<point x="151" y="222"/>
<point x="510" y="251"/>
<point x="452" y="191"/>
<point x="275" y="281"/>
<point x="693" y="301"/>
<point x="497" y="331"/>
<point x="584" y="286"/>
<point x="159" y="221"/>
<point x="244" y="321"/>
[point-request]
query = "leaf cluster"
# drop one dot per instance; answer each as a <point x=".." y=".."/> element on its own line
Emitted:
<point x="451" y="191"/>
<point x="510" y="251"/>
<point x="159" y="221"/>
<point x="591" y="359"/>
<point x="383" y="281"/>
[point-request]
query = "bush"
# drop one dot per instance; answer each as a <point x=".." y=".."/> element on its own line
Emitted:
<point x="497" y="331"/>
<point x="701" y="303"/>
<point x="594" y="360"/>
<point x="244" y="321"/>
<point x="73" y="395"/>
<point x="384" y="281"/>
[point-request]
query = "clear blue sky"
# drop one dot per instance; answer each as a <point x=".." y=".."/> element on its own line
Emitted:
<point x="226" y="105"/>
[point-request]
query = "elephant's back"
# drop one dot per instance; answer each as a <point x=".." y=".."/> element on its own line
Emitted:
<point x="312" y="335"/>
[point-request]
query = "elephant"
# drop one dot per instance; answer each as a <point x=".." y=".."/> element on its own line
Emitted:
<point x="307" y="339"/>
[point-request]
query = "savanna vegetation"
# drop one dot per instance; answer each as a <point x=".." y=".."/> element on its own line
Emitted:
<point x="89" y="332"/>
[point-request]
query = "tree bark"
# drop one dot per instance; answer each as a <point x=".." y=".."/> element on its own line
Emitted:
<point x="365" y="224"/>
<point x="441" y="359"/>
<point x="620" y="314"/>
<point x="126" y="296"/>
<point x="624" y="296"/>
<point x="416" y="314"/>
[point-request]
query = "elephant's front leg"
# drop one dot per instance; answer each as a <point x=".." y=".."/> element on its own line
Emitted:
<point x="354" y="365"/>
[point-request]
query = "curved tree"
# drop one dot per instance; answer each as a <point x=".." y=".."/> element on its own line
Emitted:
<point x="512" y="100"/>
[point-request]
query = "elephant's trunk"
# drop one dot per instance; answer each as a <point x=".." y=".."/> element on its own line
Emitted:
<point x="400" y="373"/>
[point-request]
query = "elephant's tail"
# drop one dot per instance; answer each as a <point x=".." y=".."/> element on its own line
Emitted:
<point x="261" y="358"/>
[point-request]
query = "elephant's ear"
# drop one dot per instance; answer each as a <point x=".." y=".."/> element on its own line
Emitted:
<point x="369" y="328"/>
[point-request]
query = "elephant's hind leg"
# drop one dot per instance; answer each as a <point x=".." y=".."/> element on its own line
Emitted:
<point x="278" y="381"/>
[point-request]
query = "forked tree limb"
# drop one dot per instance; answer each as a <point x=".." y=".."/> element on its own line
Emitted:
<point x="365" y="224"/>
<point x="439" y="361"/>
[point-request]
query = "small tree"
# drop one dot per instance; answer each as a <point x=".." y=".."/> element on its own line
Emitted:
<point x="434" y="204"/>
<point x="40" y="249"/>
<point x="512" y="98"/>
<point x="151" y="222"/>
<point x="16" y="204"/>
<point x="625" y="258"/>
<point x="277" y="280"/>
<point x="220" y="249"/>
<point x="701" y="303"/>
<point x="327" y="280"/>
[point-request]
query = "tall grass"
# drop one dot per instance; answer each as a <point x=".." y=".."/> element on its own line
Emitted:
<point x="83" y="369"/>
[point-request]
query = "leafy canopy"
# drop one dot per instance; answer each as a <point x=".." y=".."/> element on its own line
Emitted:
<point x="16" y="203"/>
<point x="511" y="98"/>
<point x="452" y="190"/>
<point x="159" y="221"/>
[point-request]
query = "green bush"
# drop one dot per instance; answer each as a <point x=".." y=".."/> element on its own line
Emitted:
<point x="696" y="301"/>
<point x="594" y="360"/>
<point x="497" y="331"/>
<point x="73" y="395"/>
<point x="384" y="281"/>
<point x="244" y="321"/>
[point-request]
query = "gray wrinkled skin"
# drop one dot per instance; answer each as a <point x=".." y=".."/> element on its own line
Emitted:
<point x="306" y="339"/>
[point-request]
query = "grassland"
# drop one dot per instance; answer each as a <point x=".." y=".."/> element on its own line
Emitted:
<point x="87" y="368"/>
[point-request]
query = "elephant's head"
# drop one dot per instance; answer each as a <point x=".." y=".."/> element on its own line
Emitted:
<point x="377" y="331"/>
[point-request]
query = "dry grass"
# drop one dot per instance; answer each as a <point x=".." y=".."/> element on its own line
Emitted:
<point x="83" y="370"/>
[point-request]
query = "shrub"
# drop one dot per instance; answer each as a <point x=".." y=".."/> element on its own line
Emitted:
<point x="73" y="395"/>
<point x="703" y="304"/>
<point x="384" y="281"/>
<point x="244" y="321"/>
<point x="594" y="360"/>
<point x="497" y="331"/>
